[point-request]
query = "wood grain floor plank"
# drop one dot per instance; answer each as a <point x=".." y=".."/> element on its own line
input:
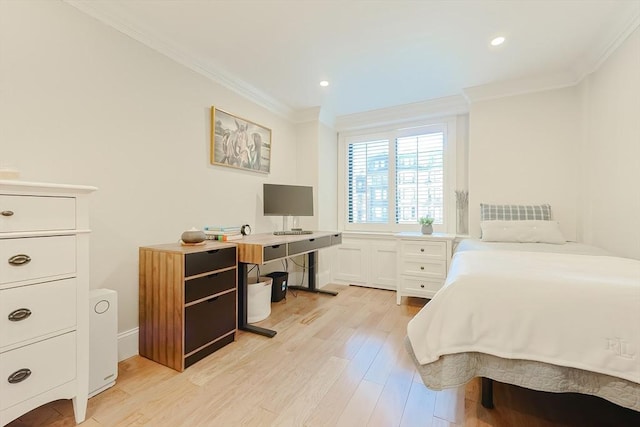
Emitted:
<point x="450" y="405"/>
<point x="418" y="409"/>
<point x="308" y="398"/>
<point x="360" y="406"/>
<point x="390" y="406"/>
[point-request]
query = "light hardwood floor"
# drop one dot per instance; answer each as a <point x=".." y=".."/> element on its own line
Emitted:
<point x="336" y="361"/>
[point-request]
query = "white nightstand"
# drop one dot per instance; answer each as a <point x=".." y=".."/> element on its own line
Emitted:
<point x="423" y="262"/>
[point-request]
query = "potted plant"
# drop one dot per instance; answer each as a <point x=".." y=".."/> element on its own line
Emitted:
<point x="426" y="222"/>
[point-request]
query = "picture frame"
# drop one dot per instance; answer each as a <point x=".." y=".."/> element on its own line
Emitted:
<point x="239" y="143"/>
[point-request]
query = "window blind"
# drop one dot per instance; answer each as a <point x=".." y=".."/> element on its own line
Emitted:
<point x="419" y="162"/>
<point x="368" y="182"/>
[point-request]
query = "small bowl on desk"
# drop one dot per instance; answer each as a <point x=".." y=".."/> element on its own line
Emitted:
<point x="193" y="236"/>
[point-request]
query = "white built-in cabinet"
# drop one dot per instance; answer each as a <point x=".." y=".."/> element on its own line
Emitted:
<point x="44" y="296"/>
<point x="410" y="263"/>
<point x="366" y="260"/>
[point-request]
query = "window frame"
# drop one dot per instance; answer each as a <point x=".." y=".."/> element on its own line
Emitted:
<point x="447" y="125"/>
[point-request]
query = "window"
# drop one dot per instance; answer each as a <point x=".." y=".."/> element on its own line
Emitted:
<point x="368" y="182"/>
<point x="420" y="177"/>
<point x="394" y="177"/>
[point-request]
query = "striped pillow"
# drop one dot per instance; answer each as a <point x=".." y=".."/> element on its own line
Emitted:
<point x="514" y="212"/>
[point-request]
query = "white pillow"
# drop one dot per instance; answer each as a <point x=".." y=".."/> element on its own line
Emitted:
<point x="527" y="231"/>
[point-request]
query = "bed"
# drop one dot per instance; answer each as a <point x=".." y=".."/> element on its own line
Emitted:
<point x="545" y="316"/>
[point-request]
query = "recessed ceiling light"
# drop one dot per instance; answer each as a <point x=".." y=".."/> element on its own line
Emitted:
<point x="324" y="83"/>
<point x="497" y="41"/>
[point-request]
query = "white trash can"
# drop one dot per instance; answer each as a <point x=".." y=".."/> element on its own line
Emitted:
<point x="258" y="299"/>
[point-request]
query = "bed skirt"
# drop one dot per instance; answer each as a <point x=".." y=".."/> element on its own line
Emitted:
<point x="455" y="370"/>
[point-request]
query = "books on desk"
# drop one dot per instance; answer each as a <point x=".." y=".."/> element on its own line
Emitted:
<point x="223" y="234"/>
<point x="223" y="237"/>
<point x="233" y="229"/>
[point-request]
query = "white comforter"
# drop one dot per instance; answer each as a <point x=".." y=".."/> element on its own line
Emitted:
<point x="579" y="311"/>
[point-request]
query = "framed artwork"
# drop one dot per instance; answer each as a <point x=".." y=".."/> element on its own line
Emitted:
<point x="239" y="143"/>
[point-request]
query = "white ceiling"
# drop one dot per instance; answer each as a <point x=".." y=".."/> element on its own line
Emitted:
<point x="376" y="54"/>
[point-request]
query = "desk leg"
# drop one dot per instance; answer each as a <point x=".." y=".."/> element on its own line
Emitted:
<point x="312" y="278"/>
<point x="243" y="287"/>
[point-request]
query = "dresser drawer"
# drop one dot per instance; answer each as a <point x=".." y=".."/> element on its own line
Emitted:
<point x="208" y="320"/>
<point x="215" y="259"/>
<point x="425" y="249"/>
<point x="37" y="310"/>
<point x="34" y="213"/>
<point x="212" y="284"/>
<point x="425" y="268"/>
<point x="47" y="256"/>
<point x="50" y="362"/>
<point x="421" y="287"/>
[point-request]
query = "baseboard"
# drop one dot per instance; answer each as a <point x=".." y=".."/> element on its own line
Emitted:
<point x="127" y="344"/>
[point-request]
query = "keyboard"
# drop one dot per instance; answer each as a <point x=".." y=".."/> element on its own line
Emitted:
<point x="292" y="232"/>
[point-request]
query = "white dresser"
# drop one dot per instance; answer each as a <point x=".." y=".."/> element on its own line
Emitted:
<point x="44" y="293"/>
<point x="423" y="262"/>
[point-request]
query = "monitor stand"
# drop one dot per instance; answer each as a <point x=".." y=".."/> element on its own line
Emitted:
<point x="295" y="224"/>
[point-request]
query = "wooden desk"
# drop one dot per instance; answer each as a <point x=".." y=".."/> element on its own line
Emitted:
<point x="263" y="248"/>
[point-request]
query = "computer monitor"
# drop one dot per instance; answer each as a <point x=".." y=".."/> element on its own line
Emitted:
<point x="287" y="200"/>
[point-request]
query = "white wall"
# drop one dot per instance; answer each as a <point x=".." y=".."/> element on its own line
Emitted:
<point x="81" y="103"/>
<point x="610" y="179"/>
<point x="317" y="165"/>
<point x="524" y="150"/>
<point x="307" y="166"/>
<point x="327" y="156"/>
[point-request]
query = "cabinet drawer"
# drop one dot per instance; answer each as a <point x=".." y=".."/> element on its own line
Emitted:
<point x="202" y="287"/>
<point x="57" y="367"/>
<point x="274" y="252"/>
<point x="425" y="268"/>
<point x="202" y="262"/>
<point x="309" y="245"/>
<point x="208" y="320"/>
<point x="34" y="213"/>
<point x="336" y="239"/>
<point x="48" y="256"/>
<point x="425" y="249"/>
<point x="51" y="307"/>
<point x="419" y="286"/>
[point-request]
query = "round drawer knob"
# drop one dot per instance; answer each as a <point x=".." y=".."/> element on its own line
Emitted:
<point x="422" y="286"/>
<point x="19" y="376"/>
<point x="421" y="267"/>
<point x="19" y="314"/>
<point x="421" y="249"/>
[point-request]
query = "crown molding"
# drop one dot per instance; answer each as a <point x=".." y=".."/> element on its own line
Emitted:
<point x="440" y="107"/>
<point x="507" y="88"/>
<point x="155" y="42"/>
<point x="601" y="52"/>
<point x="315" y="114"/>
